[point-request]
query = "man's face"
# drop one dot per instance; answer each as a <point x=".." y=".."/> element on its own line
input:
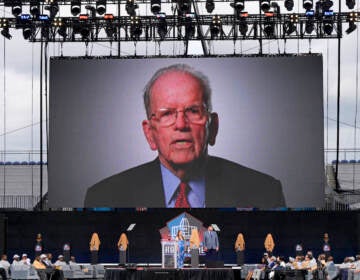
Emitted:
<point x="183" y="142"/>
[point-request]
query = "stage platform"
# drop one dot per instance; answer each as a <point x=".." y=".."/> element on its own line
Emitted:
<point x="146" y="273"/>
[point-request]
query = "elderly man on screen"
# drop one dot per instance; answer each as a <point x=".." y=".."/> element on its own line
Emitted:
<point x="180" y="125"/>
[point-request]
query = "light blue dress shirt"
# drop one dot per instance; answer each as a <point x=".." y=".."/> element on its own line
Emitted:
<point x="196" y="194"/>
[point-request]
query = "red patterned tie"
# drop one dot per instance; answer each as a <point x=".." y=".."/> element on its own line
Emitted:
<point x="181" y="199"/>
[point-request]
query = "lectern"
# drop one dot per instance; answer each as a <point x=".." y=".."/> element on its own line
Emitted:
<point x="169" y="254"/>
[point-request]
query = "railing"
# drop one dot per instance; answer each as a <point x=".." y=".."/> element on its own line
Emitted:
<point x="27" y="202"/>
<point x="333" y="200"/>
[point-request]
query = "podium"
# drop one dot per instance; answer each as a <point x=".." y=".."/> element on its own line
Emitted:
<point x="169" y="254"/>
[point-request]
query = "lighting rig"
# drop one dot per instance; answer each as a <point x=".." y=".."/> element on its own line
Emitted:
<point x="90" y="20"/>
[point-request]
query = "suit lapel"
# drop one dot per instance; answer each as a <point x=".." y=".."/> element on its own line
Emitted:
<point x="153" y="193"/>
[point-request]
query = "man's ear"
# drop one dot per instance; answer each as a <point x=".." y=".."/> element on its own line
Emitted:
<point x="213" y="128"/>
<point x="149" y="134"/>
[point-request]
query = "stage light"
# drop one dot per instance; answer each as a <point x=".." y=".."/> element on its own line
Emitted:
<point x="83" y="17"/>
<point x="16" y="8"/>
<point x="53" y="7"/>
<point x="327" y="4"/>
<point x="161" y="25"/>
<point x="155" y="6"/>
<point x="4" y="24"/>
<point x="75" y="7"/>
<point x="350" y="4"/>
<point x="209" y="6"/>
<point x="351" y="18"/>
<point x="109" y="16"/>
<point x="184" y="6"/>
<point x="111" y="31"/>
<point x="45" y="33"/>
<point x="35" y="7"/>
<point x="308" y="4"/>
<point x="265" y="5"/>
<point x="289" y="4"/>
<point x="290" y="24"/>
<point x="309" y="26"/>
<point x="238" y="5"/>
<point x="135" y="27"/>
<point x="130" y="7"/>
<point x="351" y="28"/>
<point x="189" y="26"/>
<point x="5" y="33"/>
<point x="243" y="26"/>
<point x="328" y="26"/>
<point x="28" y="31"/>
<point x="101" y="7"/>
<point x="62" y="31"/>
<point x="215" y="26"/>
<point x="269" y="26"/>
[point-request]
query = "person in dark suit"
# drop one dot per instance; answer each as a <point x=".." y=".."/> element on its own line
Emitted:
<point x="211" y="243"/>
<point x="180" y="125"/>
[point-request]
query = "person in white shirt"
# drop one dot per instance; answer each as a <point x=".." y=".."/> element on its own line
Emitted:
<point x="72" y="260"/>
<point x="60" y="261"/>
<point x="25" y="259"/>
<point x="16" y="260"/>
<point x="4" y="262"/>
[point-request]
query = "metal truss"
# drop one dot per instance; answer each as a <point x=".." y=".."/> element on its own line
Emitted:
<point x="179" y="26"/>
<point x="174" y="27"/>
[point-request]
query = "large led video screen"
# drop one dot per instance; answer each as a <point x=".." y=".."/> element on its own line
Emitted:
<point x="244" y="132"/>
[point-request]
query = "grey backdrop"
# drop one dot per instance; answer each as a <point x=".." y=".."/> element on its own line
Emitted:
<point x="270" y="110"/>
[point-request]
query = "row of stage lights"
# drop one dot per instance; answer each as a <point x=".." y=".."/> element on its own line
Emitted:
<point x="183" y="5"/>
<point x="270" y="8"/>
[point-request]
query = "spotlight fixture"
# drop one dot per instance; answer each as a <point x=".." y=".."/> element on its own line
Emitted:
<point x="351" y="18"/>
<point x="290" y="24"/>
<point x="238" y="5"/>
<point x="265" y="5"/>
<point x="350" y="4"/>
<point x="309" y="24"/>
<point x="4" y="24"/>
<point x="327" y="4"/>
<point x="289" y="4"/>
<point x="269" y="26"/>
<point x="35" y="7"/>
<point x="328" y="25"/>
<point x="130" y="7"/>
<point x="45" y="32"/>
<point x="135" y="27"/>
<point x="28" y="31"/>
<point x="189" y="26"/>
<point x="5" y="32"/>
<point x="58" y="23"/>
<point x="184" y="6"/>
<point x="62" y="31"/>
<point x="161" y="25"/>
<point x="16" y="8"/>
<point x="308" y="4"/>
<point x="155" y="6"/>
<point x="75" y="7"/>
<point x="111" y="31"/>
<point x="243" y="26"/>
<point x="53" y="7"/>
<point x="209" y="6"/>
<point x="215" y="26"/>
<point x="101" y="7"/>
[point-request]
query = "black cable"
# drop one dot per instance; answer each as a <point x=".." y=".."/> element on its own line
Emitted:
<point x="338" y="103"/>
<point x="41" y="126"/>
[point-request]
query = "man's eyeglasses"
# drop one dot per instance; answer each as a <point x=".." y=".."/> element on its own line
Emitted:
<point x="167" y="116"/>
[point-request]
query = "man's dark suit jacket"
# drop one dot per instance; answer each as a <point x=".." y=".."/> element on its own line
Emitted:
<point x="228" y="184"/>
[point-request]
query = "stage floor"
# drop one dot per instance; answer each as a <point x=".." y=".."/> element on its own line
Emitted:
<point x="146" y="273"/>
